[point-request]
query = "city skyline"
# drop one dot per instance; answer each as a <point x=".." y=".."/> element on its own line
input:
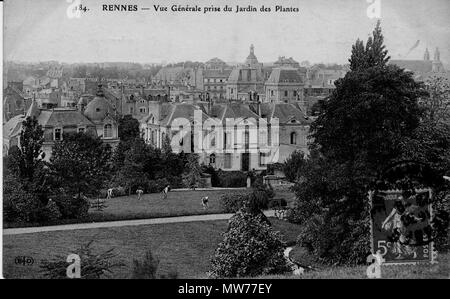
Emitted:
<point x="321" y="32"/>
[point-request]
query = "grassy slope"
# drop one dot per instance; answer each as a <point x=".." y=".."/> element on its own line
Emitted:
<point x="152" y="205"/>
<point x="186" y="247"/>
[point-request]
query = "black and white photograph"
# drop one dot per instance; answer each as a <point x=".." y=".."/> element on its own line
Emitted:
<point x="197" y="141"/>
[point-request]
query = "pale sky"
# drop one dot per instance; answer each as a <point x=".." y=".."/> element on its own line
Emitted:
<point x="323" y="31"/>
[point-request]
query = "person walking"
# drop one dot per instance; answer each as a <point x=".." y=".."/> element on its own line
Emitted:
<point x="109" y="193"/>
<point x="139" y="192"/>
<point x="205" y="202"/>
<point x="165" y="191"/>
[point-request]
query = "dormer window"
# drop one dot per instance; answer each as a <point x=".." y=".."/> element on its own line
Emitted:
<point x="81" y="130"/>
<point x="107" y="131"/>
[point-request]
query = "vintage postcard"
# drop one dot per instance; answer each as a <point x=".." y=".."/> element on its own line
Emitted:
<point x="199" y="140"/>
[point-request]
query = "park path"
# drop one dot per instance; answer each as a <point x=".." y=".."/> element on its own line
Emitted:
<point x="178" y="219"/>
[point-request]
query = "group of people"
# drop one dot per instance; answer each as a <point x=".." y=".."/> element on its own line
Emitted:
<point x="164" y="192"/>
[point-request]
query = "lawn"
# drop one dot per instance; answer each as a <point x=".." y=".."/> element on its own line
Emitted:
<point x="178" y="203"/>
<point x="184" y="247"/>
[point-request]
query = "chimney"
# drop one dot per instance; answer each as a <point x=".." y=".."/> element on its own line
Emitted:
<point x="258" y="106"/>
<point x="210" y="104"/>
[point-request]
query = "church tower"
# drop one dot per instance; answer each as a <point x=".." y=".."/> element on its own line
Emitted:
<point x="437" y="67"/>
<point x="437" y="55"/>
<point x="426" y="56"/>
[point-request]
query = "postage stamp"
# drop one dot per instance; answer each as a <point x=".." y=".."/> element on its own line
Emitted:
<point x="401" y="226"/>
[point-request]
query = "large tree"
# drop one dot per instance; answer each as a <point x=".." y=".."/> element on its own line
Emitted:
<point x="132" y="174"/>
<point x="372" y="121"/>
<point x="26" y="161"/>
<point x="80" y="164"/>
<point x="128" y="128"/>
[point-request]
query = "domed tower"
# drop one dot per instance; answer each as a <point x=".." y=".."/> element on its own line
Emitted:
<point x="99" y="108"/>
<point x="251" y="60"/>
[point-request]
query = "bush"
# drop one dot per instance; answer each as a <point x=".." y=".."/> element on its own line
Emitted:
<point x="215" y="180"/>
<point x="148" y="267"/>
<point x="72" y="207"/>
<point x="232" y="202"/>
<point x="156" y="186"/>
<point x="257" y="200"/>
<point x="250" y="248"/>
<point x="20" y="206"/>
<point x="232" y="179"/>
<point x="49" y="213"/>
<point x="93" y="265"/>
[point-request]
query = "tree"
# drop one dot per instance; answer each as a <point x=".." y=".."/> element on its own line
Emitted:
<point x="370" y="122"/>
<point x="128" y="128"/>
<point x="132" y="174"/>
<point x="367" y="115"/>
<point x="194" y="172"/>
<point x="293" y="165"/>
<point x="79" y="164"/>
<point x="26" y="162"/>
<point x="28" y="157"/>
<point x="373" y="54"/>
<point x="437" y="103"/>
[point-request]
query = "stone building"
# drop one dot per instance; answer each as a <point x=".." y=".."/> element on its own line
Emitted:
<point x="97" y="118"/>
<point x="229" y="136"/>
<point x="215" y="83"/>
<point x="285" y="85"/>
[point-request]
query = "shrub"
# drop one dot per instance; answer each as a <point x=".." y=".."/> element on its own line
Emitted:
<point x="215" y="180"/>
<point x="257" y="200"/>
<point x="232" y="179"/>
<point x="72" y="207"/>
<point x="119" y="191"/>
<point x="250" y="247"/>
<point x="20" y="206"/>
<point x="49" y="213"/>
<point x="148" y="267"/>
<point x="93" y="265"/>
<point x="156" y="186"/>
<point x="232" y="202"/>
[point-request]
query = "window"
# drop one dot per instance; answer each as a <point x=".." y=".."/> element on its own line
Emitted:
<point x="107" y="131"/>
<point x="271" y="93"/>
<point x="81" y="130"/>
<point x="131" y="110"/>
<point x="262" y="159"/>
<point x="57" y="134"/>
<point x="246" y="136"/>
<point x="212" y="159"/>
<point x="225" y="140"/>
<point x="293" y="138"/>
<point x="227" y="161"/>
<point x="142" y="110"/>
<point x="295" y="93"/>
<point x="285" y="93"/>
